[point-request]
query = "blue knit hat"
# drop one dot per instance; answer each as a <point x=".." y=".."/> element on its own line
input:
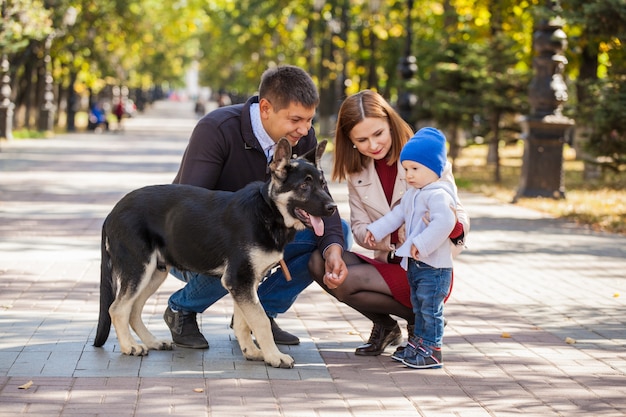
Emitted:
<point x="428" y="147"/>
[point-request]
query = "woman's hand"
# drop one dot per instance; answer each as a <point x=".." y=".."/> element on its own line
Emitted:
<point x="401" y="235"/>
<point x="415" y="254"/>
<point x="426" y="217"/>
<point x="453" y="208"/>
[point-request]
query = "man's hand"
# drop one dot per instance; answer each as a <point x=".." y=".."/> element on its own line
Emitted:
<point x="336" y="269"/>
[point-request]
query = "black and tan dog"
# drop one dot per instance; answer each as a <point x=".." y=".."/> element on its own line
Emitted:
<point x="238" y="235"/>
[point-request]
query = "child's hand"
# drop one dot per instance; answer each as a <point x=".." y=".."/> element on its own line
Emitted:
<point x="369" y="239"/>
<point x="415" y="254"/>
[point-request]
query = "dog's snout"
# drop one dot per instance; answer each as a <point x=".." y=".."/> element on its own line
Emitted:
<point x="330" y="208"/>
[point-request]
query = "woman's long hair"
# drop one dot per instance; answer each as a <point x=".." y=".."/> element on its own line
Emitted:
<point x="354" y="109"/>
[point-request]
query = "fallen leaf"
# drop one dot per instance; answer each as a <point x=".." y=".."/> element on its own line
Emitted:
<point x="505" y="335"/>
<point x="569" y="341"/>
<point x="198" y="390"/>
<point x="26" y="385"/>
<point x="616" y="295"/>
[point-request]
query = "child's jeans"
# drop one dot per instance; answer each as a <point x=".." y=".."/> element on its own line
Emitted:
<point x="429" y="288"/>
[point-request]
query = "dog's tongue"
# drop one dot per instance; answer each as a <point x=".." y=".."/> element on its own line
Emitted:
<point x="318" y="225"/>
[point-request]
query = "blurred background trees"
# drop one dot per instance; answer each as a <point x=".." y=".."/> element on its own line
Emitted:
<point x="473" y="58"/>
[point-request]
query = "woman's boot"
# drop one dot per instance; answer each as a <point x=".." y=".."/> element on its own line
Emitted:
<point x="398" y="355"/>
<point x="380" y="338"/>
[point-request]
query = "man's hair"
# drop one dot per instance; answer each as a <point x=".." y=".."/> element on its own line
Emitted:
<point x="286" y="84"/>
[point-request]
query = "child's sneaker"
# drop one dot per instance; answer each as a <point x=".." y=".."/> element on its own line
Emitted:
<point x="424" y="357"/>
<point x="405" y="351"/>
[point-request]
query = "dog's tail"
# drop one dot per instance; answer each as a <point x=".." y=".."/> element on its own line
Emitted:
<point x="107" y="293"/>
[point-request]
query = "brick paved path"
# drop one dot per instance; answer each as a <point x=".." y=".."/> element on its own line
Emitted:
<point x="537" y="280"/>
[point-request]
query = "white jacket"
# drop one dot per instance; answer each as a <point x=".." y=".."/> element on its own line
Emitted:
<point x="431" y="240"/>
<point x="368" y="203"/>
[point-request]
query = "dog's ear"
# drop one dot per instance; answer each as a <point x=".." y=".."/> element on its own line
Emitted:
<point x="282" y="154"/>
<point x="314" y="156"/>
<point x="319" y="152"/>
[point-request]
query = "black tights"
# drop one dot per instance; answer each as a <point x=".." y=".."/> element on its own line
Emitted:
<point x="364" y="290"/>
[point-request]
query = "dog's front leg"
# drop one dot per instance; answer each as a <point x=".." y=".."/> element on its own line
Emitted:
<point x="260" y="325"/>
<point x="242" y="332"/>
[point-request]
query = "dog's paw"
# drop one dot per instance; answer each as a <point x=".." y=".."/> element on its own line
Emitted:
<point x="163" y="345"/>
<point x="252" y="353"/>
<point x="136" y="350"/>
<point x="281" y="361"/>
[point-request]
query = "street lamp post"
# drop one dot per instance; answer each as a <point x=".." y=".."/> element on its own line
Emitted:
<point x="6" y="106"/>
<point x="545" y="128"/>
<point x="46" y="113"/>
<point x="407" y="69"/>
<point x="48" y="108"/>
<point x="325" y="81"/>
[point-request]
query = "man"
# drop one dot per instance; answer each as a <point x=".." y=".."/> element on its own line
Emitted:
<point x="231" y="147"/>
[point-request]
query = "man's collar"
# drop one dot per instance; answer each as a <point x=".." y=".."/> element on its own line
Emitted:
<point x="266" y="142"/>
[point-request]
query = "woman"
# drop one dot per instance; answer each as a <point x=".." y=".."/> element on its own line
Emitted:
<point x="368" y="140"/>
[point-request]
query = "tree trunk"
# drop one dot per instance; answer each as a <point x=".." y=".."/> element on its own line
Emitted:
<point x="455" y="148"/>
<point x="73" y="102"/>
<point x="588" y="71"/>
<point x="588" y="75"/>
<point x="493" y="154"/>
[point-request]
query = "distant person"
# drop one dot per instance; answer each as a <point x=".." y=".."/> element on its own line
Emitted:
<point x="428" y="212"/>
<point x="200" y="108"/>
<point x="97" y="120"/>
<point x="119" y="113"/>
<point x="223" y="99"/>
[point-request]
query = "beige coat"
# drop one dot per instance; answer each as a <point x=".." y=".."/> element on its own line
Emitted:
<point x="368" y="203"/>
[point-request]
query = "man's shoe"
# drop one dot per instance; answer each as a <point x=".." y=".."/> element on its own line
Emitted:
<point x="380" y="338"/>
<point x="424" y="357"/>
<point x="282" y="337"/>
<point x="184" y="329"/>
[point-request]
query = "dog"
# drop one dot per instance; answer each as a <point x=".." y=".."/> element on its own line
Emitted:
<point x="237" y="235"/>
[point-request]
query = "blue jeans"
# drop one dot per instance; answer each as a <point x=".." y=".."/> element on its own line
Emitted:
<point x="429" y="287"/>
<point x="276" y="294"/>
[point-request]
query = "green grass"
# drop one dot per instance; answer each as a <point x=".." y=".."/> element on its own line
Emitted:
<point x="80" y="122"/>
<point x="29" y="134"/>
<point x="599" y="204"/>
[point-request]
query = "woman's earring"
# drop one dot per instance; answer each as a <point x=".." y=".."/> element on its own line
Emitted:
<point x="354" y="146"/>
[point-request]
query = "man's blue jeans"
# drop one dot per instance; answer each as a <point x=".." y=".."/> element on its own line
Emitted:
<point x="275" y="293"/>
<point x="429" y="287"/>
